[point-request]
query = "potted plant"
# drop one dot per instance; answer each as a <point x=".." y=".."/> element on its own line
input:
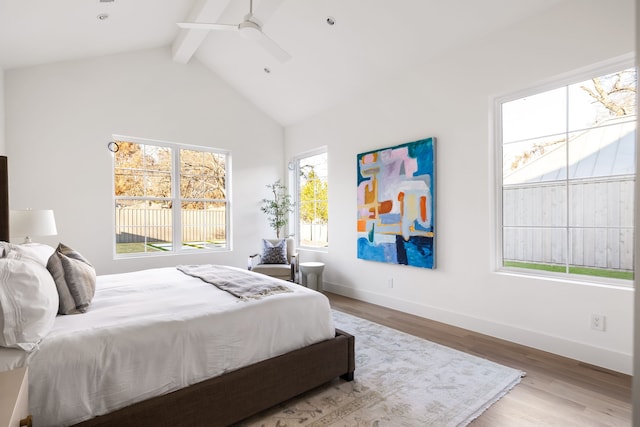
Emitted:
<point x="278" y="208"/>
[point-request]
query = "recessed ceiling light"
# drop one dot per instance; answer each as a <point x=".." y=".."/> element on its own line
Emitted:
<point x="103" y="16"/>
<point x="330" y="20"/>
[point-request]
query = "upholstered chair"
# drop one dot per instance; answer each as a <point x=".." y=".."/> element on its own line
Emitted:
<point x="277" y="259"/>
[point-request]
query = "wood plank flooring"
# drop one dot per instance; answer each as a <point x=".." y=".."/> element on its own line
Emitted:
<point x="557" y="391"/>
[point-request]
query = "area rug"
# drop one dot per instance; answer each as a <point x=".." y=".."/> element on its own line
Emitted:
<point x="400" y="380"/>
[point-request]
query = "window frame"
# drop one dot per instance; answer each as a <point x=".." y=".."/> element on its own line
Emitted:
<point x="176" y="198"/>
<point x="566" y="79"/>
<point x="295" y="189"/>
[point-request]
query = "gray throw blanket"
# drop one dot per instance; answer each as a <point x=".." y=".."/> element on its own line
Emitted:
<point x="241" y="284"/>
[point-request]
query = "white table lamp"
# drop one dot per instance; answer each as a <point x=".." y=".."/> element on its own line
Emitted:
<point x="27" y="223"/>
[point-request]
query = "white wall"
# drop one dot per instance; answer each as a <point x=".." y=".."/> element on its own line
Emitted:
<point x="450" y="98"/>
<point x="61" y="116"/>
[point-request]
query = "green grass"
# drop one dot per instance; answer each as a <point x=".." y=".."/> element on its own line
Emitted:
<point x="597" y="272"/>
<point x="134" y="248"/>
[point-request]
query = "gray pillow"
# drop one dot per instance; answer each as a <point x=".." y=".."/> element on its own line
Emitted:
<point x="274" y="253"/>
<point x="75" y="279"/>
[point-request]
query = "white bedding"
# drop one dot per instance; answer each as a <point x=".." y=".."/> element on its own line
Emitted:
<point x="154" y="331"/>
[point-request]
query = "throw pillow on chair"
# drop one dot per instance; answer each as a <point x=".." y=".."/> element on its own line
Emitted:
<point x="274" y="253"/>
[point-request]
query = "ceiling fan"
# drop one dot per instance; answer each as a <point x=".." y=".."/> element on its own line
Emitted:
<point x="251" y="28"/>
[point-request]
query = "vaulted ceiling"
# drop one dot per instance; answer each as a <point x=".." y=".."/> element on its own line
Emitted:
<point x="370" y="41"/>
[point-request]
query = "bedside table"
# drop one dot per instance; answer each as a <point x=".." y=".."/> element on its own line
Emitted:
<point x="14" y="398"/>
<point x="311" y="273"/>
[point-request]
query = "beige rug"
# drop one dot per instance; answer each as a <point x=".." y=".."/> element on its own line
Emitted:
<point x="400" y="380"/>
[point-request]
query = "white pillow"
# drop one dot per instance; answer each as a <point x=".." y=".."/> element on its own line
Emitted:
<point x="28" y="303"/>
<point x="35" y="251"/>
<point x="38" y="251"/>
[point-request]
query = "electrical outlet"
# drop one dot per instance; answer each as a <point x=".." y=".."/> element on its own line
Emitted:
<point x="390" y="282"/>
<point x="597" y="322"/>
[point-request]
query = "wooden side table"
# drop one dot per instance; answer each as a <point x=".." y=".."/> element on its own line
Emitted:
<point x="14" y="398"/>
<point x="312" y="274"/>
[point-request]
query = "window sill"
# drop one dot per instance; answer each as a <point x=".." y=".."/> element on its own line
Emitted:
<point x="312" y="249"/>
<point x="619" y="284"/>
<point x="133" y="255"/>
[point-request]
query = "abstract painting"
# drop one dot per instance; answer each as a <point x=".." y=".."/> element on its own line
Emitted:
<point x="396" y="204"/>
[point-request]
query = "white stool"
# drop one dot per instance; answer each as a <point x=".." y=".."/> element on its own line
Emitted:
<point x="312" y="274"/>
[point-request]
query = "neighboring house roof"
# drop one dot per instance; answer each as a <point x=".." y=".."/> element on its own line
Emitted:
<point x="607" y="150"/>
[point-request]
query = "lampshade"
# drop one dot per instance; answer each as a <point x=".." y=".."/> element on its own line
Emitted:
<point x="27" y="223"/>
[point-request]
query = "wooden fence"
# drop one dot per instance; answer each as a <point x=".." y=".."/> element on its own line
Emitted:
<point x="600" y="213"/>
<point x="136" y="225"/>
<point x="314" y="234"/>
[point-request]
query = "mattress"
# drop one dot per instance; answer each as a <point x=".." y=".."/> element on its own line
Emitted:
<point x="151" y="332"/>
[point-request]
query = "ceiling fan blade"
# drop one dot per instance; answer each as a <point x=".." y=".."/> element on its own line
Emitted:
<point x="273" y="48"/>
<point x="207" y="26"/>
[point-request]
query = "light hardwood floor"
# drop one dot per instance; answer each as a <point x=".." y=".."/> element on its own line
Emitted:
<point x="557" y="391"/>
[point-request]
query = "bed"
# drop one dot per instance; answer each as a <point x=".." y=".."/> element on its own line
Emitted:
<point x="162" y="348"/>
<point x="198" y="399"/>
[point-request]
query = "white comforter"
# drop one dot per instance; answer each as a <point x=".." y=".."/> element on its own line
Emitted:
<point x="155" y="331"/>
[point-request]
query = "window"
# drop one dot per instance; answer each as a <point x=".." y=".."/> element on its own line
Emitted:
<point x="312" y="196"/>
<point x="568" y="176"/>
<point x="166" y="193"/>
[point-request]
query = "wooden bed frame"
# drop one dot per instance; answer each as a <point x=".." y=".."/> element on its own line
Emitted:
<point x="233" y="396"/>
<point x="4" y="199"/>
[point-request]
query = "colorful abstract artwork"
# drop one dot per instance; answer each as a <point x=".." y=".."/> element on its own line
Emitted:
<point x="396" y="204"/>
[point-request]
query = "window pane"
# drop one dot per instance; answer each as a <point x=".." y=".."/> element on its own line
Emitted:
<point x="601" y="193"/>
<point x="535" y="160"/>
<point x="128" y="176"/>
<point x="142" y="170"/>
<point x="601" y="99"/>
<point x="158" y="184"/>
<point x="203" y="225"/>
<point x="202" y="175"/>
<point x="312" y="209"/>
<point x="142" y="226"/>
<point x="313" y="230"/>
<point x="202" y="185"/>
<point x="603" y="151"/>
<point x="540" y="248"/>
<point x="157" y="158"/>
<point x="535" y="205"/>
<point x="129" y="155"/>
<point x="534" y="116"/>
<point x="602" y="251"/>
<point x="128" y="182"/>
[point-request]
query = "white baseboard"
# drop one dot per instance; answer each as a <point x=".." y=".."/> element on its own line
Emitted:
<point x="587" y="353"/>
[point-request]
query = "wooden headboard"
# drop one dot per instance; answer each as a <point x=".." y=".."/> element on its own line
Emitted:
<point x="4" y="200"/>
